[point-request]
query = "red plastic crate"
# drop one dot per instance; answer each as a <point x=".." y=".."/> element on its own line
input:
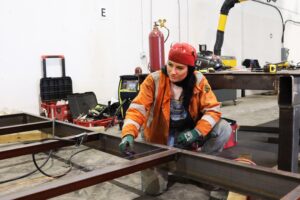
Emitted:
<point x="233" y="137"/>
<point x="54" y="111"/>
<point x="102" y="122"/>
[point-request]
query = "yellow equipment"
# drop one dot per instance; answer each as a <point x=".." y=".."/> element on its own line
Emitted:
<point x="229" y="61"/>
<point x="274" y="67"/>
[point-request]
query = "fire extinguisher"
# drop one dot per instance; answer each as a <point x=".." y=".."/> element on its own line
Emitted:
<point x="156" y="47"/>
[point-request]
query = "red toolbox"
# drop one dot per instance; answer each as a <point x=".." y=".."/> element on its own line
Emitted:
<point x="80" y="105"/>
<point x="232" y="141"/>
<point x="91" y="123"/>
<point x="54" y="91"/>
<point x="53" y="110"/>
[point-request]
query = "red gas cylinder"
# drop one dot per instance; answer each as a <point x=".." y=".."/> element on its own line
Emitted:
<point x="156" y="49"/>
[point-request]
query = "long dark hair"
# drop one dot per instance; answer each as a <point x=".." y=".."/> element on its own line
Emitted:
<point x="187" y="85"/>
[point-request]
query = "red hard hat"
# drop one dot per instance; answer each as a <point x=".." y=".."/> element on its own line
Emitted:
<point x="183" y="53"/>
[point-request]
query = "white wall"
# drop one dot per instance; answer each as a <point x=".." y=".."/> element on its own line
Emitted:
<point x="100" y="49"/>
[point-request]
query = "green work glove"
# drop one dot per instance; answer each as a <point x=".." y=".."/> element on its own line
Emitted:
<point x="126" y="145"/>
<point x="187" y="138"/>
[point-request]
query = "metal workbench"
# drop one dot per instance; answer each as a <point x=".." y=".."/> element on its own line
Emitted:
<point x="288" y="83"/>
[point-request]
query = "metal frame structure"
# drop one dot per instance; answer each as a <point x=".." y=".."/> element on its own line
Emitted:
<point x="251" y="180"/>
<point x="288" y="101"/>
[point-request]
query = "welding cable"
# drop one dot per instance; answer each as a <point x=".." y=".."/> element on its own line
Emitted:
<point x="116" y="113"/>
<point x="69" y="163"/>
<point x="78" y="141"/>
<point x="279" y="12"/>
<point x="28" y="174"/>
<point x="284" y="26"/>
<point x="71" y="157"/>
<point x="46" y="174"/>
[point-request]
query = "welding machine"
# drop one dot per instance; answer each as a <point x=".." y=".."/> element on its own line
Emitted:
<point x="129" y="87"/>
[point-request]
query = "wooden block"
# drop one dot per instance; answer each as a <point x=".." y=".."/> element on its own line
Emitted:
<point x="23" y="136"/>
<point x="97" y="128"/>
<point x="236" y="196"/>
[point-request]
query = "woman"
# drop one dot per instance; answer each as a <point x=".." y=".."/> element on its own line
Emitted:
<point x="176" y="107"/>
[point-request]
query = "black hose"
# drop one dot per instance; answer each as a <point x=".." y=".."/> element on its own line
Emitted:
<point x="63" y="174"/>
<point x="167" y="34"/>
<point x="227" y="5"/>
<point x="28" y="174"/>
<point x="283" y="32"/>
<point x="46" y="174"/>
<point x="282" y="22"/>
<point x="115" y="114"/>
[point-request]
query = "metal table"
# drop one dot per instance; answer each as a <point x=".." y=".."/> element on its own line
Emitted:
<point x="288" y="101"/>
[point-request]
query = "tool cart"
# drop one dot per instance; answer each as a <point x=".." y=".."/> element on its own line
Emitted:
<point x="54" y="91"/>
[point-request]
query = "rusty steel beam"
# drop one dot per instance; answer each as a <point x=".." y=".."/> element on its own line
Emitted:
<point x="36" y="147"/>
<point x="252" y="180"/>
<point x="294" y="194"/>
<point x="25" y="127"/>
<point x="67" y="131"/>
<point x="246" y="179"/>
<point x="20" y="118"/>
<point x="60" y="187"/>
<point x="260" y="129"/>
<point x="199" y="167"/>
<point x="289" y="117"/>
<point x="242" y="80"/>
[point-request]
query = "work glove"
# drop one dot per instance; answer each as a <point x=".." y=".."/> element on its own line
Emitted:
<point x="187" y="138"/>
<point x="126" y="145"/>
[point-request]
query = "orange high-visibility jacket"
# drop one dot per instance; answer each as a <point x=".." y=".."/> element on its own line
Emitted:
<point x="151" y="108"/>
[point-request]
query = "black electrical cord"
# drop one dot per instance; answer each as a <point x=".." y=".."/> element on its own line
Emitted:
<point x="46" y="174"/>
<point x="28" y="174"/>
<point x="167" y="34"/>
<point x="116" y="113"/>
<point x="78" y="141"/>
<point x="70" y="159"/>
<point x="60" y="175"/>
<point x="286" y="21"/>
<point x="282" y="22"/>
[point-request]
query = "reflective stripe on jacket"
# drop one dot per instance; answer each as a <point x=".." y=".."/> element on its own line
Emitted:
<point x="151" y="108"/>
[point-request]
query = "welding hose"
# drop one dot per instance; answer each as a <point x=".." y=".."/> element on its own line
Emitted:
<point x="28" y="174"/>
<point x="227" y="5"/>
<point x="39" y="168"/>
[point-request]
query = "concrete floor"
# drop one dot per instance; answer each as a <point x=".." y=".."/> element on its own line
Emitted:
<point x="251" y="110"/>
